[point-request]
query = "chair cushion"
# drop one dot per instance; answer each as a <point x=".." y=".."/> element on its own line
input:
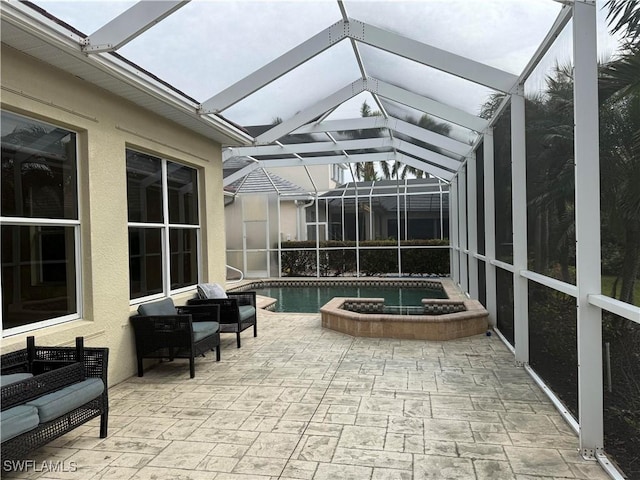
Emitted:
<point x="17" y="420"/>
<point x="211" y="290"/>
<point x="13" y="378"/>
<point x="161" y="307"/>
<point x="246" y="312"/>
<point x="204" y="329"/>
<point x="62" y="401"/>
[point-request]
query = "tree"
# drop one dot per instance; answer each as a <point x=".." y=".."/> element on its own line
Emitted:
<point x="367" y="170"/>
<point x="428" y="123"/>
<point x="620" y="140"/>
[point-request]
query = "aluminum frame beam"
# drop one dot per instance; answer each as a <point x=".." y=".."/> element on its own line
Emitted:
<point x="314" y="111"/>
<point x="276" y="68"/>
<point x="22" y="17"/>
<point x="296" y="123"/>
<point x="427" y="105"/>
<point x="130" y="24"/>
<point x="392" y="123"/>
<point x="327" y="160"/>
<point x="429" y="155"/>
<point x="436" y="139"/>
<point x="362" y="123"/>
<point x="554" y="32"/>
<point x="319" y="147"/>
<point x="430" y="168"/>
<point x="281" y="149"/>
<point x="425" y="54"/>
<point x="434" y="170"/>
<point x="354" y="29"/>
<point x="228" y="180"/>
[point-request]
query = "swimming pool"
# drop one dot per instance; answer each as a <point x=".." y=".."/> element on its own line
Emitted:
<point x="309" y="298"/>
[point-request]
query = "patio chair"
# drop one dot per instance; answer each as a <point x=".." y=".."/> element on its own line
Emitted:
<point x="237" y="309"/>
<point x="163" y="330"/>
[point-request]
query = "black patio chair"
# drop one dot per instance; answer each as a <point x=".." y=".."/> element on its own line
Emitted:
<point x="165" y="331"/>
<point x="237" y="309"/>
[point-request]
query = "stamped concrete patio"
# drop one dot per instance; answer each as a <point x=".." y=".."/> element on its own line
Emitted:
<point x="302" y="402"/>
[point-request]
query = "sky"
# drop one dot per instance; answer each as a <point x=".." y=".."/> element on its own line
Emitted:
<point x="208" y="45"/>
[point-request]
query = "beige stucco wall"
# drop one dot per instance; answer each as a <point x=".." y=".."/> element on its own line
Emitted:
<point x="321" y="177"/>
<point x="288" y="216"/>
<point x="107" y="125"/>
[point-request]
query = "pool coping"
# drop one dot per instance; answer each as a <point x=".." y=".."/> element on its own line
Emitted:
<point x="472" y="321"/>
<point x="268" y="303"/>
<point x="447" y="326"/>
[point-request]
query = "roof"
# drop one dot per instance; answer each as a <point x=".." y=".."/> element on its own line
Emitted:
<point x="395" y="65"/>
<point x="33" y="31"/>
<point x="262" y="181"/>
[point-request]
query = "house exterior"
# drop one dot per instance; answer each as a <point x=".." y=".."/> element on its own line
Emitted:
<point x="111" y="191"/>
<point x="267" y="215"/>
<point x="261" y="210"/>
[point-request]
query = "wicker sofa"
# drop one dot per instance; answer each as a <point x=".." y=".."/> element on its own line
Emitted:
<point x="47" y="392"/>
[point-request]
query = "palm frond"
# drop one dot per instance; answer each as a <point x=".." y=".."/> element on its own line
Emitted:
<point x="624" y="17"/>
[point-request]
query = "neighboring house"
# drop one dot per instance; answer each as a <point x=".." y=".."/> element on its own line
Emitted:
<point x="312" y="178"/>
<point x="410" y="209"/>
<point x="261" y="210"/>
<point x="111" y="190"/>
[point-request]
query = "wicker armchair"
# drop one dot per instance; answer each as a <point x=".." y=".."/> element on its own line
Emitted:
<point x="237" y="311"/>
<point x="165" y="331"/>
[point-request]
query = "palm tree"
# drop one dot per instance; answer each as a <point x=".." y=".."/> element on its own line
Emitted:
<point x="367" y="170"/>
<point x="620" y="140"/>
<point x="428" y="123"/>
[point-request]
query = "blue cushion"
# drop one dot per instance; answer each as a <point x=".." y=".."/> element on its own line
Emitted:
<point x="211" y="290"/>
<point x="246" y="312"/>
<point x="13" y="378"/>
<point x="17" y="420"/>
<point x="62" y="401"/>
<point x="204" y="329"/>
<point x="161" y="307"/>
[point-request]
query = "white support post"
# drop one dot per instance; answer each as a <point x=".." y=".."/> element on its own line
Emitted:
<point x="519" y="214"/>
<point x="472" y="215"/>
<point x="587" y="199"/>
<point x="462" y="222"/>
<point x="453" y="230"/>
<point x="490" y="225"/>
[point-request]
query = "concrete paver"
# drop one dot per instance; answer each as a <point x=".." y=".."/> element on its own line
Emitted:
<point x="303" y="402"/>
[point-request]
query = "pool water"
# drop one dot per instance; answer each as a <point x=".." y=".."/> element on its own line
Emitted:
<point x="310" y="299"/>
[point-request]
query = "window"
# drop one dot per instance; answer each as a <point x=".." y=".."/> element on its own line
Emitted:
<point x="39" y="223"/>
<point x="337" y="173"/>
<point x="164" y="228"/>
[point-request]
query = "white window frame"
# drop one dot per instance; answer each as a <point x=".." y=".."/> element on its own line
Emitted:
<point x="165" y="226"/>
<point x="39" y="222"/>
